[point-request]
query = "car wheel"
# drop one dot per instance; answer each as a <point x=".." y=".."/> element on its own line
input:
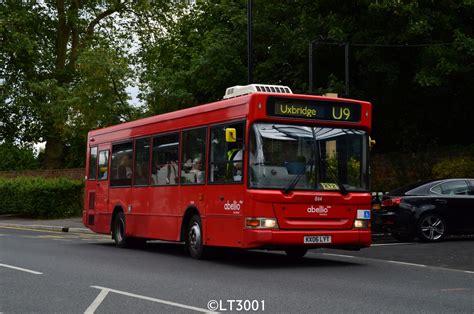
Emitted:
<point x="296" y="252"/>
<point x="121" y="240"/>
<point x="194" y="240"/>
<point x="431" y="228"/>
<point x="403" y="237"/>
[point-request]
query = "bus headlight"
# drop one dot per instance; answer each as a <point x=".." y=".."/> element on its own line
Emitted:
<point x="361" y="224"/>
<point x="261" y="223"/>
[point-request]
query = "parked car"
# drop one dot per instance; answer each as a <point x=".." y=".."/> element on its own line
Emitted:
<point x="429" y="210"/>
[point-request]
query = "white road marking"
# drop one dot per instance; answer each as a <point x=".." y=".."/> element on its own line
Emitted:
<point x="105" y="291"/>
<point x="455" y="289"/>
<point x="94" y="305"/>
<point x="339" y="255"/>
<point x="409" y="264"/>
<point x="396" y="262"/>
<point x="387" y="244"/>
<point x="21" y="269"/>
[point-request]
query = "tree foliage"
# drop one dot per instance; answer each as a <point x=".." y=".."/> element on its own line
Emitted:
<point x="412" y="59"/>
<point x="17" y="158"/>
<point x="65" y="64"/>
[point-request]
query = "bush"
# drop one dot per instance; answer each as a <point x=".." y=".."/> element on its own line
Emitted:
<point x="38" y="197"/>
<point x="460" y="167"/>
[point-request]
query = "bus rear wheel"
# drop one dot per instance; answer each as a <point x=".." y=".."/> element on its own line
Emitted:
<point x="194" y="238"/>
<point x="121" y="240"/>
<point x="296" y="252"/>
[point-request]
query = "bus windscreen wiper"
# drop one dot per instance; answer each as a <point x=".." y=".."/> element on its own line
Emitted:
<point x="295" y="181"/>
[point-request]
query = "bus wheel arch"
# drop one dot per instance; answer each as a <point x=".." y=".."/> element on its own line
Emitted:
<point x="190" y="212"/>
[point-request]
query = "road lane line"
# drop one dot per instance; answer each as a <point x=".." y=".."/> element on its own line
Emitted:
<point x="405" y="263"/>
<point x="21" y="269"/>
<point x="98" y="300"/>
<point x="183" y="306"/>
<point x="387" y="244"/>
<point x="396" y="262"/>
<point x="339" y="255"/>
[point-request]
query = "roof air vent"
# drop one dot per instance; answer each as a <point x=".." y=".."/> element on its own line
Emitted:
<point x="239" y="90"/>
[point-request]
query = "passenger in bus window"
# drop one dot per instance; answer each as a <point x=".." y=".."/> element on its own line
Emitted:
<point x="141" y="176"/>
<point x="103" y="171"/>
<point x="124" y="169"/>
<point x="154" y="173"/>
<point x="172" y="172"/>
<point x="188" y="165"/>
<point x="196" y="170"/>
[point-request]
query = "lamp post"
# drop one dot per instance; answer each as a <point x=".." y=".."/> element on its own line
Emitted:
<point x="249" y="42"/>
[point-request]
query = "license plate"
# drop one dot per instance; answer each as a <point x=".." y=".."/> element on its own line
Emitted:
<point x="317" y="239"/>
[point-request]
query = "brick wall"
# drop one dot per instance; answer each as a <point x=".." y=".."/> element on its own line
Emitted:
<point x="74" y="173"/>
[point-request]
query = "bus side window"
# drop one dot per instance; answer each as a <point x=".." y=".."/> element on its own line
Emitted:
<point x="103" y="164"/>
<point x="121" y="167"/>
<point x="164" y="170"/>
<point x="193" y="159"/>
<point x="142" y="162"/>
<point x="93" y="163"/>
<point x="226" y="158"/>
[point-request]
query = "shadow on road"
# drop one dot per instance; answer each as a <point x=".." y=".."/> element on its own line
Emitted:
<point x="253" y="259"/>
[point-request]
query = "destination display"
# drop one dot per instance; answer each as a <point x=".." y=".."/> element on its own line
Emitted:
<point x="313" y="109"/>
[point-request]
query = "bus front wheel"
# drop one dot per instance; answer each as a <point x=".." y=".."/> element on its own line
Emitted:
<point x="194" y="240"/>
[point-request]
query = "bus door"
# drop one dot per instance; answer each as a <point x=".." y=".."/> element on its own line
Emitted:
<point x="226" y="189"/>
<point x="102" y="188"/>
<point x="91" y="186"/>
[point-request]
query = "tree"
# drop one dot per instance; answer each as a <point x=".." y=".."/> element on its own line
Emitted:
<point x="62" y="72"/>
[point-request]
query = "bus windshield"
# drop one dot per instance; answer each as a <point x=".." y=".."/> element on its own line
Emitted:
<point x="295" y="157"/>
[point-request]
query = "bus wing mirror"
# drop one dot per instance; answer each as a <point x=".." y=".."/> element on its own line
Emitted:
<point x="371" y="143"/>
<point x="230" y="135"/>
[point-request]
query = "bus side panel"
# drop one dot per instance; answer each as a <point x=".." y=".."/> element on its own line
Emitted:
<point x="140" y="203"/>
<point x="164" y="213"/>
<point x="225" y="204"/>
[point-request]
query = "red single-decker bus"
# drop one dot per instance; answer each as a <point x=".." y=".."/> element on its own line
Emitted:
<point x="263" y="168"/>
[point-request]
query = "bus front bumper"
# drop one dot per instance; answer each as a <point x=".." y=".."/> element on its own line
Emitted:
<point x="348" y="239"/>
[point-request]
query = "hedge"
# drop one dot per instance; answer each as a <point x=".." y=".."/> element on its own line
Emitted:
<point x="38" y="197"/>
<point x="393" y="170"/>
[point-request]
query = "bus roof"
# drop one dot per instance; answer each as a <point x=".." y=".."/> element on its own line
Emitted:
<point x="197" y="110"/>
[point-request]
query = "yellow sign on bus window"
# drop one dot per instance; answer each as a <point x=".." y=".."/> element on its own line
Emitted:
<point x="329" y="186"/>
<point x="230" y="135"/>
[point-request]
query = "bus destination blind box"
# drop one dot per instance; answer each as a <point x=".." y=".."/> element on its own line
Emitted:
<point x="313" y="109"/>
<point x="239" y="90"/>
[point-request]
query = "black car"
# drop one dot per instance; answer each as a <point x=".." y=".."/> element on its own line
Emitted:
<point x="429" y="210"/>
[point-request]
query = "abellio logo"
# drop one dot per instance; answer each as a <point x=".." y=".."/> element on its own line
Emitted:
<point x="232" y="206"/>
<point x="318" y="210"/>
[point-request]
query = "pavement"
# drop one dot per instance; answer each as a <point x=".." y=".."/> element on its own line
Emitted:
<point x="73" y="224"/>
